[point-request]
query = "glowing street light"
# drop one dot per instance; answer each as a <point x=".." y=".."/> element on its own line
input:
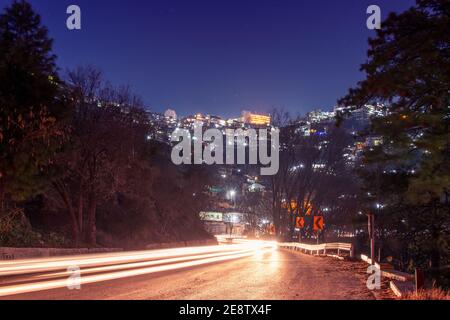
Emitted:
<point x="379" y="206"/>
<point x="232" y="196"/>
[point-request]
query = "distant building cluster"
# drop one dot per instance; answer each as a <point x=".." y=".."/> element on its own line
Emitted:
<point x="232" y="182"/>
<point x="317" y="116"/>
<point x="361" y="115"/>
<point x="315" y="123"/>
<point x="318" y="123"/>
<point x="164" y="124"/>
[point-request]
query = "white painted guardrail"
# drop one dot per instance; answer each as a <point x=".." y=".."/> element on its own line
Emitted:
<point x="401" y="283"/>
<point x="319" y="248"/>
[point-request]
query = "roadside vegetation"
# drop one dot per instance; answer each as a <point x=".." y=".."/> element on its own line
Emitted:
<point x="76" y="167"/>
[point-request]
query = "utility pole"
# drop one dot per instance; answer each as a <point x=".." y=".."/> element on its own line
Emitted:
<point x="371" y="227"/>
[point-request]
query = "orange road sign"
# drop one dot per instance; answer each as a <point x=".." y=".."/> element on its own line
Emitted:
<point x="318" y="223"/>
<point x="300" y="222"/>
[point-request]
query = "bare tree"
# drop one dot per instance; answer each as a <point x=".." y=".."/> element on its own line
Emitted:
<point x="107" y="127"/>
<point x="310" y="174"/>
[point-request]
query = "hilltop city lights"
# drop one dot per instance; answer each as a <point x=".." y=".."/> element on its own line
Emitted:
<point x="213" y="153"/>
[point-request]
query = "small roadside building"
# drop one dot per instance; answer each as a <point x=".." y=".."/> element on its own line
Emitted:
<point x="217" y="223"/>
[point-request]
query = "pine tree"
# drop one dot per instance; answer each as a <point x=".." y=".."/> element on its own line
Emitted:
<point x="408" y="68"/>
<point x="30" y="102"/>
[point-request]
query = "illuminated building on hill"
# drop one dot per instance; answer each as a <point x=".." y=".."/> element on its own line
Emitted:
<point x="256" y="119"/>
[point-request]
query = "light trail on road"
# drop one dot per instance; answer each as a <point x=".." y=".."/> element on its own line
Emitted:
<point x="31" y="275"/>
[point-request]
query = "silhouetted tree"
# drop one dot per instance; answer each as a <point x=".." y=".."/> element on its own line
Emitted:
<point x="108" y="138"/>
<point x="408" y="68"/>
<point x="31" y="104"/>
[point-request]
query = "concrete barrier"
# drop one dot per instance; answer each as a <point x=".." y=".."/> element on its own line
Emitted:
<point x="8" y="253"/>
<point x="191" y="243"/>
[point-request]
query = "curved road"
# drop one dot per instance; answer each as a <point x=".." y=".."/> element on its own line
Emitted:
<point x="273" y="274"/>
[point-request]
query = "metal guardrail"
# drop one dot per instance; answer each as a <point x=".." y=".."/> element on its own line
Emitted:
<point x="319" y="248"/>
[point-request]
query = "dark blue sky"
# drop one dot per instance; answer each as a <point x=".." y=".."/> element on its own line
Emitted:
<point x="220" y="56"/>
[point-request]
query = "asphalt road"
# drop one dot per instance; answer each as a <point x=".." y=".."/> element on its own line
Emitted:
<point x="269" y="275"/>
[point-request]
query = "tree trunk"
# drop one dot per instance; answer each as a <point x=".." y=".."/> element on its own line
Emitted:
<point x="91" y="231"/>
<point x="73" y="222"/>
<point x="2" y="196"/>
<point x="75" y="231"/>
<point x="292" y="219"/>
<point x="75" y="227"/>
<point x="276" y="220"/>
<point x="80" y="211"/>
<point x="435" y="255"/>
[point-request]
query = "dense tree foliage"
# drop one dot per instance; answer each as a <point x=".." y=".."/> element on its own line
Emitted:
<point x="31" y="103"/>
<point x="74" y="155"/>
<point x="406" y="179"/>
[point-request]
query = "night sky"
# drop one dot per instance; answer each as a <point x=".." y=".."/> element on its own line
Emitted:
<point x="220" y="56"/>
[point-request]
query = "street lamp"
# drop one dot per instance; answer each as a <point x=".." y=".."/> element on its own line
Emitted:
<point x="371" y="229"/>
<point x="232" y="196"/>
<point x="232" y="219"/>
